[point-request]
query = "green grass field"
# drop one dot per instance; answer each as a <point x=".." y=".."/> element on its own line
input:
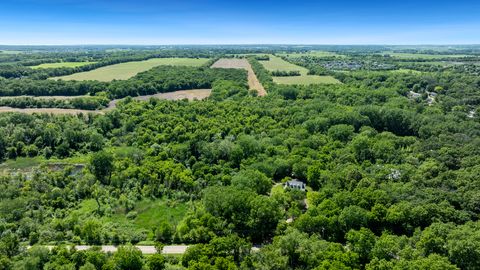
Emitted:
<point x="63" y="64"/>
<point x="277" y="63"/>
<point x="150" y="213"/>
<point x="306" y="80"/>
<point x="127" y="70"/>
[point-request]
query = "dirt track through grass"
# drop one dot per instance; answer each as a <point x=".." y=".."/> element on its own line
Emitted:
<point x="253" y="82"/>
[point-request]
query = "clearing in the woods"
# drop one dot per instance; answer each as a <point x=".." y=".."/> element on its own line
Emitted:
<point x="127" y="70"/>
<point x="63" y="64"/>
<point x="253" y="81"/>
<point x="278" y="64"/>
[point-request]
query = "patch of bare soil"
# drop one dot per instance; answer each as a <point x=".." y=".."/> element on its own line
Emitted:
<point x="253" y="82"/>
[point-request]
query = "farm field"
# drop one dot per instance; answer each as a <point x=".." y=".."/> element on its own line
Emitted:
<point x="63" y="64"/>
<point x="253" y="81"/>
<point x="278" y="64"/>
<point x="127" y="70"/>
<point x="191" y="95"/>
<point x="306" y="80"/>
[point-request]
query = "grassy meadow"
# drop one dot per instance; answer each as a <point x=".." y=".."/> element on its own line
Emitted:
<point x="276" y="63"/>
<point x="63" y="64"/>
<point x="306" y="80"/>
<point x="127" y="70"/>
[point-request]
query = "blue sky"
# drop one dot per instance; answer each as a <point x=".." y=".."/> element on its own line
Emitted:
<point x="239" y="22"/>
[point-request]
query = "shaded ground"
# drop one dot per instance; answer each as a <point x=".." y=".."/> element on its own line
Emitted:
<point x="253" y="82"/>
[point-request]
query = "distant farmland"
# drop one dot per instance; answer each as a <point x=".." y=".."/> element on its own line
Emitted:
<point x="311" y="53"/>
<point x="278" y="64"/>
<point x="127" y="70"/>
<point x="63" y="64"/>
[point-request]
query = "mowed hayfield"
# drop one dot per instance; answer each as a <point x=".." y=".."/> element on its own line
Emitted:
<point x="63" y="64"/>
<point x="124" y="71"/>
<point x="278" y="64"/>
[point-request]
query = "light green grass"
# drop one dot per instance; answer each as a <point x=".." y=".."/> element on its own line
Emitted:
<point x="127" y="70"/>
<point x="424" y="56"/>
<point x="63" y="64"/>
<point x="28" y="163"/>
<point x="306" y="80"/>
<point x="311" y="53"/>
<point x="277" y="63"/>
<point x="150" y="213"/>
<point x="22" y="163"/>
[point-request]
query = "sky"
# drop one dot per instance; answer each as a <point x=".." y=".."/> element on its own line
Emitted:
<point x="149" y="22"/>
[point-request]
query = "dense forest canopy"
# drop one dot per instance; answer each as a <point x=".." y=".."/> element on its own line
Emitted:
<point x="390" y="159"/>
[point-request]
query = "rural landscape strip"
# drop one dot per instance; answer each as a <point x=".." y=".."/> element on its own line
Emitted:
<point x="193" y="94"/>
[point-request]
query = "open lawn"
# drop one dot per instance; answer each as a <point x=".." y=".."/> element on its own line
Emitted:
<point x="276" y="63"/>
<point x="127" y="70"/>
<point x="63" y="64"/>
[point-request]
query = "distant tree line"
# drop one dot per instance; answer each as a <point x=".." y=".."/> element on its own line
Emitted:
<point x="283" y="73"/>
<point x="84" y="103"/>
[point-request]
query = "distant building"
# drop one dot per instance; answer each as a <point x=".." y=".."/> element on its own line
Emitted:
<point x="295" y="184"/>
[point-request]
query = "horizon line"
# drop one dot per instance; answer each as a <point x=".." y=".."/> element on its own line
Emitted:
<point x="248" y="44"/>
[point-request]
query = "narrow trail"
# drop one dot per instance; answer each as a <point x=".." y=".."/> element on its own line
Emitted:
<point x="253" y="82"/>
